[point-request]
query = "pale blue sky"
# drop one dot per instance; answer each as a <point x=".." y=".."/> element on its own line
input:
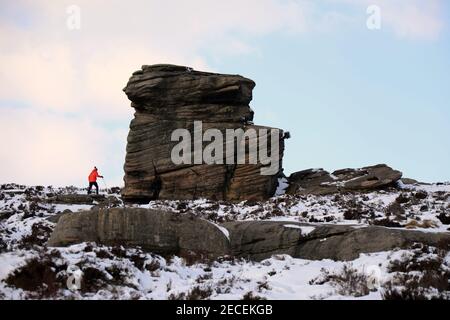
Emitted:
<point x="355" y="98"/>
<point x="349" y="96"/>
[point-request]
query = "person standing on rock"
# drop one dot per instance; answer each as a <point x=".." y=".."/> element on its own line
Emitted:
<point x="93" y="180"/>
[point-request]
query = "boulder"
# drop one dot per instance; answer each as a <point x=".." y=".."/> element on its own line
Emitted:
<point x="319" y="181"/>
<point x="311" y="181"/>
<point x="168" y="97"/>
<point x="153" y="230"/>
<point x="409" y="181"/>
<point x="258" y="240"/>
<point x="76" y="198"/>
<point x="55" y="218"/>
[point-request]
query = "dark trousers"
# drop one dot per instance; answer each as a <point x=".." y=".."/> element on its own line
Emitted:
<point x="90" y="187"/>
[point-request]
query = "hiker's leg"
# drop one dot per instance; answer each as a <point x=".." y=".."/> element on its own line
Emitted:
<point x="90" y="188"/>
<point x="96" y="187"/>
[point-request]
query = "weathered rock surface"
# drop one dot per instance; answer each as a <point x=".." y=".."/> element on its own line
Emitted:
<point x="168" y="97"/>
<point x="153" y="230"/>
<point x="165" y="232"/>
<point x="410" y="181"/>
<point x="319" y="181"/>
<point x="77" y="198"/>
<point x="259" y="240"/>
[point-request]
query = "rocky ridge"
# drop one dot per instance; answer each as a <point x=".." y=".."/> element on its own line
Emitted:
<point x="165" y="232"/>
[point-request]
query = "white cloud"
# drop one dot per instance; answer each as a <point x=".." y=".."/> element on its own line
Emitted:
<point x="412" y="19"/>
<point x="42" y="148"/>
<point x="416" y="21"/>
<point x="40" y="75"/>
<point x="55" y="71"/>
<point x="50" y="67"/>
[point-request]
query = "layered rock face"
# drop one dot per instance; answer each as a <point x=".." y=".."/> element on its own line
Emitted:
<point x="165" y="232"/>
<point x="260" y="240"/>
<point x="319" y="181"/>
<point x="167" y="98"/>
<point x="153" y="230"/>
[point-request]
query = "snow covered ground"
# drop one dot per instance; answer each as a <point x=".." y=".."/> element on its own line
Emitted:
<point x="30" y="270"/>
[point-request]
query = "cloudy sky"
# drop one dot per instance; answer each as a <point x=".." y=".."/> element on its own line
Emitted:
<point x="350" y="96"/>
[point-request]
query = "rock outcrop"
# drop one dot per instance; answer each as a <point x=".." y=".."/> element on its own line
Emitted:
<point x="153" y="230"/>
<point x="258" y="240"/>
<point x="168" y="97"/>
<point x="77" y="198"/>
<point x="169" y="233"/>
<point x="319" y="181"/>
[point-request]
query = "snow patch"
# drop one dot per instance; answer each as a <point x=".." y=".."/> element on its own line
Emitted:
<point x="282" y="186"/>
<point x="223" y="229"/>
<point x="305" y="229"/>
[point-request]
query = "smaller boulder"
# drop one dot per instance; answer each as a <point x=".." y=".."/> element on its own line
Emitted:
<point x="373" y="177"/>
<point x="319" y="181"/>
<point x="409" y="181"/>
<point x="76" y="198"/>
<point x="259" y="240"/>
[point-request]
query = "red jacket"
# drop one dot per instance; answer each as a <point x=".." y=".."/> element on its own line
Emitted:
<point x="93" y="176"/>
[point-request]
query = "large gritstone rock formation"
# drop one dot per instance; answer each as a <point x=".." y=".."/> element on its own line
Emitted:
<point x="168" y="97"/>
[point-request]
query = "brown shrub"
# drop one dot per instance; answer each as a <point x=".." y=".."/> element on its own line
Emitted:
<point x="199" y="293"/>
<point x="348" y="282"/>
<point x="251" y="296"/>
<point x="40" y="233"/>
<point x="39" y="275"/>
